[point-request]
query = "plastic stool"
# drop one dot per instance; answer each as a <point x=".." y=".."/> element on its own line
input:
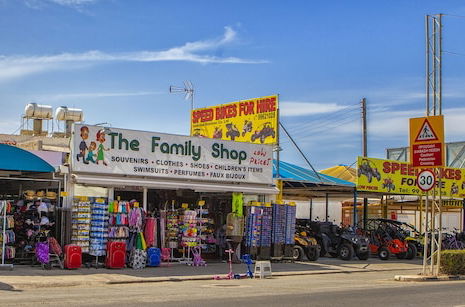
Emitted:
<point x="262" y="269"/>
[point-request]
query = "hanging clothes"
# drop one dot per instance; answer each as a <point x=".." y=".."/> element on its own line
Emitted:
<point x="238" y="204"/>
<point x="150" y="232"/>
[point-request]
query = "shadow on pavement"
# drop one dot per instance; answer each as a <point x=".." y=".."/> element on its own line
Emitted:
<point x="7" y="287"/>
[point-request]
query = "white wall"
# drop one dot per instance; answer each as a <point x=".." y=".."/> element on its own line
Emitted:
<point x="318" y="209"/>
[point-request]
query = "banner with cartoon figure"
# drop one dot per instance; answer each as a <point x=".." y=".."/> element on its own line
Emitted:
<point x="252" y="120"/>
<point x="394" y="177"/>
<point x="141" y="153"/>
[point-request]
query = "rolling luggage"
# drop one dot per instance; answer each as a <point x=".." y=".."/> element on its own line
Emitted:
<point x="73" y="257"/>
<point x="153" y="256"/>
<point x="116" y="255"/>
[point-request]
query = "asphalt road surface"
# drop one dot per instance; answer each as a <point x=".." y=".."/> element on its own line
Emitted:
<point x="354" y="289"/>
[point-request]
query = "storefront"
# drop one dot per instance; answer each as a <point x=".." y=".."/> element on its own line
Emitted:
<point x="30" y="209"/>
<point x="175" y="191"/>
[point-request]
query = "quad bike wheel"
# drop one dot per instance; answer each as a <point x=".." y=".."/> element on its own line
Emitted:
<point x="384" y="253"/>
<point x="313" y="253"/>
<point x="411" y="252"/>
<point x="297" y="253"/>
<point x="363" y="256"/>
<point x="346" y="252"/>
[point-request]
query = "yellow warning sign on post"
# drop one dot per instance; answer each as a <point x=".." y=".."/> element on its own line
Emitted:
<point x="427" y="141"/>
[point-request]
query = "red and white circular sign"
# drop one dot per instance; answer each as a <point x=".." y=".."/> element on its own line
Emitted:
<point x="426" y="180"/>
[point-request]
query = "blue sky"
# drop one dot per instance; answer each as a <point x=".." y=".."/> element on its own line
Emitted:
<point x="116" y="59"/>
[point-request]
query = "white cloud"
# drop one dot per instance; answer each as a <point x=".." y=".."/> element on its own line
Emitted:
<point x="290" y="108"/>
<point x="12" y="67"/>
<point x="75" y="4"/>
<point x="56" y="97"/>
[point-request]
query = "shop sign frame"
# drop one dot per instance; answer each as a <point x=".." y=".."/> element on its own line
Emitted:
<point x="125" y="152"/>
<point x="254" y="120"/>
<point x="395" y="177"/>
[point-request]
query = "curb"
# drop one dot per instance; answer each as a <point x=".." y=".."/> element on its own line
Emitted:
<point x="419" y="278"/>
<point x="105" y="281"/>
<point x="210" y="277"/>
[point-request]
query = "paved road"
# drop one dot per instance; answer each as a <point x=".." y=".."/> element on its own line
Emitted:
<point x="354" y="289"/>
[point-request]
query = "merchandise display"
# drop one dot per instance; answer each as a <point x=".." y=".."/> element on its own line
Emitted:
<point x="98" y="227"/>
<point x="81" y="213"/>
<point x="118" y="224"/>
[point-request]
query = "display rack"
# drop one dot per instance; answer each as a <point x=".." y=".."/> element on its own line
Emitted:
<point x="81" y="213"/>
<point x="3" y="209"/>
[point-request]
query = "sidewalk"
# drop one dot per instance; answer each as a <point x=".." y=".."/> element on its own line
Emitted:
<point x="24" y="276"/>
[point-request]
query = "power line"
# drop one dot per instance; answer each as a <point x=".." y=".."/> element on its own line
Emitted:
<point x="454" y="53"/>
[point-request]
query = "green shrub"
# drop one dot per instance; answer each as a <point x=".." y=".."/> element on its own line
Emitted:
<point x="452" y="262"/>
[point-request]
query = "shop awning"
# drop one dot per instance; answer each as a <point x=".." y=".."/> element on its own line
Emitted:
<point x="16" y="159"/>
<point x="108" y="181"/>
<point x="341" y="171"/>
<point x="292" y="172"/>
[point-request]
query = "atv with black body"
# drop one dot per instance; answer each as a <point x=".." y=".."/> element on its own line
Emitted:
<point x="339" y="242"/>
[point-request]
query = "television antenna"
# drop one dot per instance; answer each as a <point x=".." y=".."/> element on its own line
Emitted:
<point x="188" y="89"/>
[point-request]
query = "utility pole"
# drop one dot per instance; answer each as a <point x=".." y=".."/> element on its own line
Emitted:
<point x="363" y="103"/>
<point x="433" y="206"/>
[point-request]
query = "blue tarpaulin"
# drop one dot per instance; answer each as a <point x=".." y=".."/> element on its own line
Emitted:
<point x="16" y="159"/>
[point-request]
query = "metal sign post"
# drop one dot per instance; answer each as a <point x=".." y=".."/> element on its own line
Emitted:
<point x="430" y="142"/>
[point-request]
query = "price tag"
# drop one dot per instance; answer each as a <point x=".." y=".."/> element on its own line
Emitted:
<point x="184" y="205"/>
<point x="201" y="202"/>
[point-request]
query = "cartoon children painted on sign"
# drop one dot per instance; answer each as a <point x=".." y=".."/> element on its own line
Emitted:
<point x="83" y="145"/>
<point x="91" y="155"/>
<point x="101" y="149"/>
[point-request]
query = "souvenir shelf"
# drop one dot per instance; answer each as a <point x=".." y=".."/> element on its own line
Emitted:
<point x="81" y="216"/>
<point x="98" y="227"/>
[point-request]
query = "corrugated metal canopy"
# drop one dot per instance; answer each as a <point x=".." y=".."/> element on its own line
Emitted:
<point x="343" y="172"/>
<point x="16" y="159"/>
<point x="291" y="172"/>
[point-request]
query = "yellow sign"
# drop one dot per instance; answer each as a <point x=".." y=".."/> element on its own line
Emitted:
<point x="184" y="205"/>
<point x="394" y="177"/>
<point x="63" y="194"/>
<point x="427" y="141"/>
<point x="253" y="120"/>
<point x="201" y="203"/>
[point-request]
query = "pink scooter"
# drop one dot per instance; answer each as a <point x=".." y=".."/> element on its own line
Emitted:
<point x="230" y="274"/>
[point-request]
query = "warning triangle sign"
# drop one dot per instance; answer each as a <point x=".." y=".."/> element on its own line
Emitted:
<point x="426" y="133"/>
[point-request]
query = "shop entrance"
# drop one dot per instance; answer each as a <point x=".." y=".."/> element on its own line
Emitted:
<point x="129" y="194"/>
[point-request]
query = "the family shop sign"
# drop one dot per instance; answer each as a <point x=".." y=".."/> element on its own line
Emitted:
<point x="130" y="152"/>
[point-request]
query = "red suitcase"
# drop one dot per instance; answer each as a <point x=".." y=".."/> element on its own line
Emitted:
<point x="73" y="257"/>
<point x="116" y="255"/>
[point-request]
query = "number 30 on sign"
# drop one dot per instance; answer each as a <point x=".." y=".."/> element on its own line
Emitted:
<point x="426" y="180"/>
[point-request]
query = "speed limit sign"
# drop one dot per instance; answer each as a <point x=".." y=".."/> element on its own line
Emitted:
<point x="426" y="180"/>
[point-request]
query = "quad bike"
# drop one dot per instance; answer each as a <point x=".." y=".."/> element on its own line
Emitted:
<point x="247" y="127"/>
<point x="305" y="245"/>
<point x="218" y="133"/>
<point x="339" y="242"/>
<point x="368" y="169"/>
<point x="388" y="184"/>
<point x="199" y="133"/>
<point x="232" y="132"/>
<point x="266" y="131"/>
